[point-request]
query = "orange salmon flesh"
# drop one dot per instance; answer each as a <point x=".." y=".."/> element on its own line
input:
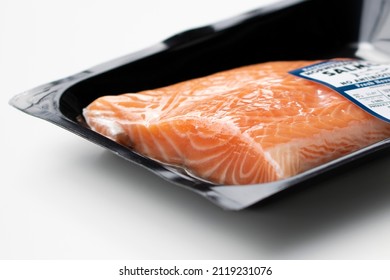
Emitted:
<point x="253" y="124"/>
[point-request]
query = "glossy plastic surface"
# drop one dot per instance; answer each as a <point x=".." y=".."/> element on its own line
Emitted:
<point x="289" y="30"/>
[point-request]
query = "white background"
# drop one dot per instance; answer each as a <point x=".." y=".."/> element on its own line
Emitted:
<point x="62" y="197"/>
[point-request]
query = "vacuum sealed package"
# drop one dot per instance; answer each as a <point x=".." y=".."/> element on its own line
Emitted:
<point x="241" y="109"/>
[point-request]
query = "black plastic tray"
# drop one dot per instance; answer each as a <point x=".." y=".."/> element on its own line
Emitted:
<point x="288" y="30"/>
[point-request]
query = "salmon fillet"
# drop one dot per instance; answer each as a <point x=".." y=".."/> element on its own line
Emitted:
<point x="252" y="124"/>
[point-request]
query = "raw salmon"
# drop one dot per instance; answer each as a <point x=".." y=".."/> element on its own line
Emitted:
<point x="252" y="124"/>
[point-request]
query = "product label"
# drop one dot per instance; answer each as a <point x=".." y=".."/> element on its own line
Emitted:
<point x="365" y="83"/>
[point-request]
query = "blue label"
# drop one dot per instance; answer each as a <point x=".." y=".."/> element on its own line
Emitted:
<point x="365" y="83"/>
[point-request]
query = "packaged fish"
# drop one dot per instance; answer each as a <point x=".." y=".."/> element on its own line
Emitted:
<point x="239" y="115"/>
